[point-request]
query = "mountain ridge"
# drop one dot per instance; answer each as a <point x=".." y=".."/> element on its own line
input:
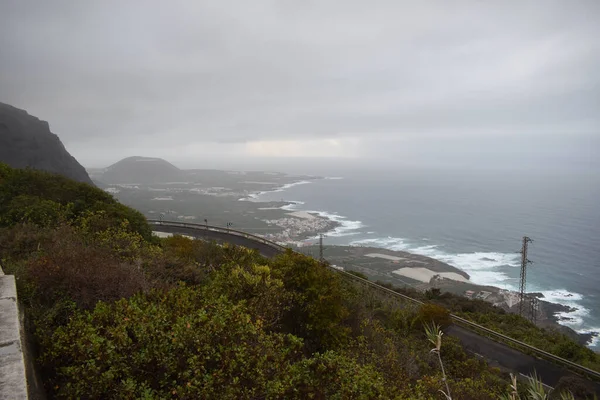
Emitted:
<point x="27" y="141"/>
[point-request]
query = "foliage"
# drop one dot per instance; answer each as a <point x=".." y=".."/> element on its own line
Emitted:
<point x="573" y="386"/>
<point x="432" y="313"/>
<point x="47" y="199"/>
<point x="254" y="285"/>
<point x="66" y="267"/>
<point x="328" y="376"/>
<point x="318" y="309"/>
<point x="34" y="210"/>
<point x="177" y="344"/>
<point x="434" y="335"/>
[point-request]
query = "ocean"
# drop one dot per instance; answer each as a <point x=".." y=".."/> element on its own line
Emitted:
<point x="474" y="220"/>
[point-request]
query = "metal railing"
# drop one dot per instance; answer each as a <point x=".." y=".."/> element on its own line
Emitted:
<point x="534" y="351"/>
<point x="212" y="228"/>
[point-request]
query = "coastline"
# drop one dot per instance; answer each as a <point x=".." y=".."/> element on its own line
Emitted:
<point x="298" y="233"/>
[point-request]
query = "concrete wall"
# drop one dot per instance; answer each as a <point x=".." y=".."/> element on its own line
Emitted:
<point x="13" y="381"/>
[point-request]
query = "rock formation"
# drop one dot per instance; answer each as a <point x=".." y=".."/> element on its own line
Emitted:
<point x="26" y="141"/>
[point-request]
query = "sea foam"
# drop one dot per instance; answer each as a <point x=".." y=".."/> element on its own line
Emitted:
<point x="482" y="267"/>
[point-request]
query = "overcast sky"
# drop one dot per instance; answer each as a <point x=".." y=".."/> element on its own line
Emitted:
<point x="421" y="81"/>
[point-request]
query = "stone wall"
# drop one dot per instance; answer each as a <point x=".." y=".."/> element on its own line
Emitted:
<point x="13" y="378"/>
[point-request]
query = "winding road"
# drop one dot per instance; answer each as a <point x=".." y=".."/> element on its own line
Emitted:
<point x="201" y="232"/>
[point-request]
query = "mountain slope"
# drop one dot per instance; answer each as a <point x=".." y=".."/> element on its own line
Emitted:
<point x="26" y="141"/>
<point x="140" y="170"/>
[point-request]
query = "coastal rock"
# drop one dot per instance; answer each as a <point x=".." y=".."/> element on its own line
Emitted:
<point x="26" y="141"/>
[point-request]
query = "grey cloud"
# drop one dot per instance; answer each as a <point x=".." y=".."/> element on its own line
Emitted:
<point x="126" y="74"/>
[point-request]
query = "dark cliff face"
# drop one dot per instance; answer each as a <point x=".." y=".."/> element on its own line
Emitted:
<point x="26" y="141"/>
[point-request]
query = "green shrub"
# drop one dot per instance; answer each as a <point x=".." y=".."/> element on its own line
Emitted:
<point x="429" y="313"/>
<point x="177" y="344"/>
<point x="328" y="376"/>
<point x="28" y="195"/>
<point x="264" y="295"/>
<point x="34" y="210"/>
<point x="318" y="309"/>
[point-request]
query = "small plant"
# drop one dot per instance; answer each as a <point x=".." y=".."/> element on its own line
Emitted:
<point x="535" y="390"/>
<point x="514" y="393"/>
<point x="567" y="396"/>
<point x="434" y="335"/>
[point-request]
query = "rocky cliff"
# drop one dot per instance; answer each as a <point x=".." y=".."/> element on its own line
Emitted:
<point x="26" y="141"/>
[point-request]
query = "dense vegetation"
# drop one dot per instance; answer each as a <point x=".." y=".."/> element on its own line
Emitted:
<point x="117" y="313"/>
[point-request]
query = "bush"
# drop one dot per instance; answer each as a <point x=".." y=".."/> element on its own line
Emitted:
<point x="67" y="268"/>
<point x="263" y="294"/>
<point x="176" y="344"/>
<point x="580" y="388"/>
<point x="318" y="308"/>
<point x="208" y="256"/>
<point x="28" y="195"/>
<point x="328" y="376"/>
<point x="34" y="210"/>
<point x="429" y="313"/>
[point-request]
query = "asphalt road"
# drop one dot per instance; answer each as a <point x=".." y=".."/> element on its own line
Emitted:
<point x="506" y="357"/>
<point x="222" y="237"/>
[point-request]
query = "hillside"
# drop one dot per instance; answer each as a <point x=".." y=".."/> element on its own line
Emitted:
<point x="140" y="170"/>
<point x="26" y="141"/>
<point x="118" y="313"/>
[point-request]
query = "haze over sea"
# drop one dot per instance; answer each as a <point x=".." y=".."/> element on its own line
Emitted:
<point x="474" y="220"/>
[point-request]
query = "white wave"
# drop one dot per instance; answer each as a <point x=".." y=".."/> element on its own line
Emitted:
<point x="347" y="227"/>
<point x="482" y="267"/>
<point x="333" y="178"/>
<point x="595" y="340"/>
<point x="256" y="195"/>
<point x="293" y="206"/>
<point x="287" y="186"/>
<point x="388" y="243"/>
<point x="573" y="319"/>
<point x="561" y="296"/>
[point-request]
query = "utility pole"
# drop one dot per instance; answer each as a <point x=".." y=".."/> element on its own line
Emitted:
<point x="523" y="283"/>
<point x="534" y="304"/>
<point x="321" y="247"/>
